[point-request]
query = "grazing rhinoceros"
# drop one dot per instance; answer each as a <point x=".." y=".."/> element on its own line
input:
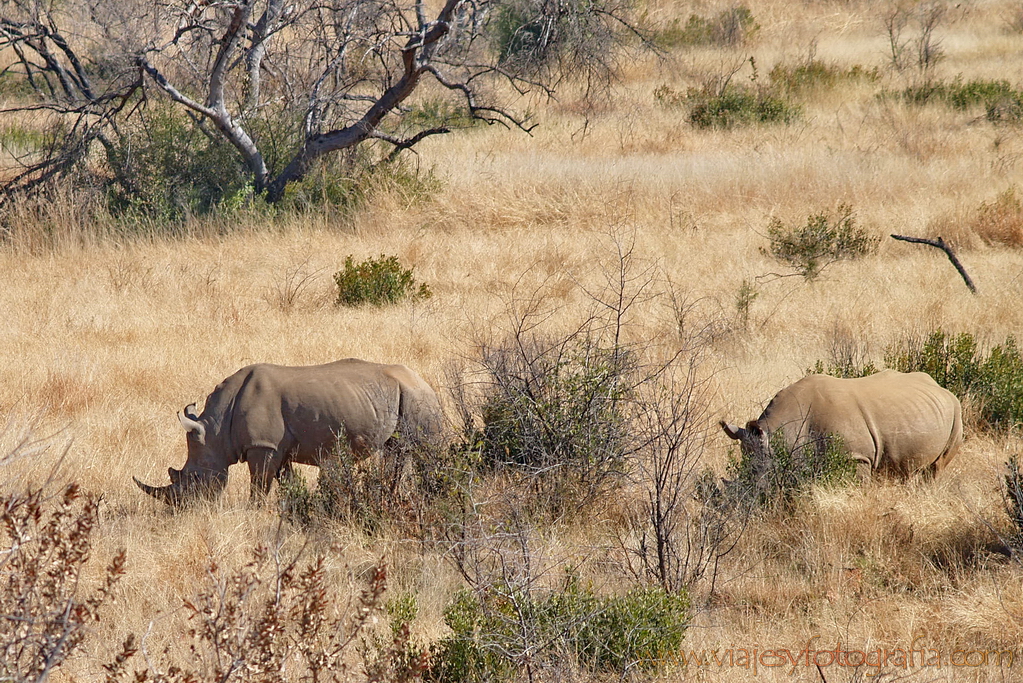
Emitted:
<point x="270" y="416"/>
<point x="893" y="423"/>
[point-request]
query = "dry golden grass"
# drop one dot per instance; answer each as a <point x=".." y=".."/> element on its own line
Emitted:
<point x="103" y="340"/>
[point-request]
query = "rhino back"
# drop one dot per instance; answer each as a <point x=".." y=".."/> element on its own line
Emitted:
<point x="890" y="420"/>
<point x="304" y="409"/>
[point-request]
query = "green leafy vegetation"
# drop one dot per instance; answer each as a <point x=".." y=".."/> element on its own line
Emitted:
<point x="557" y="411"/>
<point x="826" y="237"/>
<point x="814" y="75"/>
<point x="1002" y="102"/>
<point x="167" y="168"/>
<point x="497" y="633"/>
<point x="770" y="480"/>
<point x="738" y="105"/>
<point x="377" y="282"/>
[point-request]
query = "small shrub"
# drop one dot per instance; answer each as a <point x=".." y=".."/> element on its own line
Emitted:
<point x="346" y="183"/>
<point x="744" y="299"/>
<point x="814" y="74"/>
<point x="501" y="630"/>
<point x="377" y="282"/>
<point x="554" y="411"/>
<point x="770" y="480"/>
<point x="1000" y="221"/>
<point x="730" y="27"/>
<point x="1001" y="102"/>
<point x="735" y="105"/>
<point x="822" y="240"/>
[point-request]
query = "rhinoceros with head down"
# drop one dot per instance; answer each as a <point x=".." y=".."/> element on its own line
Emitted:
<point x="893" y="423"/>
<point x="269" y="416"/>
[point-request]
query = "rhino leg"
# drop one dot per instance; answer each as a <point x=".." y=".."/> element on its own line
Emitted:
<point x="264" y="465"/>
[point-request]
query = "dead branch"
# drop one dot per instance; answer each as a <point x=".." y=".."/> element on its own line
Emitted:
<point x="944" y="246"/>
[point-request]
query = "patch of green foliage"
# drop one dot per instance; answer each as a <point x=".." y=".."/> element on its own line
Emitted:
<point x="1001" y="101"/>
<point x="437" y="113"/>
<point x="20" y="139"/>
<point x="378" y="282"/>
<point x="495" y="634"/>
<point x="736" y="105"/>
<point x="557" y="413"/>
<point x="732" y="26"/>
<point x="814" y="75"/>
<point x="825" y="238"/>
<point x="168" y="169"/>
<point x="346" y="183"/>
<point x="846" y="369"/>
<point x="776" y="479"/>
<point x="717" y="105"/>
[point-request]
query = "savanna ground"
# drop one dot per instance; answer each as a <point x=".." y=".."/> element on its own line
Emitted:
<point x="104" y="339"/>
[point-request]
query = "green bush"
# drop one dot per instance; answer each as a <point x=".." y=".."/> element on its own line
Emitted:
<point x="1002" y="102"/>
<point x="346" y="183"/>
<point x="377" y="282"/>
<point x="738" y="105"/>
<point x="732" y="26"/>
<point x="496" y="633"/>
<point x="822" y="240"/>
<point x="814" y="74"/>
<point x="958" y="94"/>
<point x="557" y="412"/>
<point x="769" y="480"/>
<point x="169" y="169"/>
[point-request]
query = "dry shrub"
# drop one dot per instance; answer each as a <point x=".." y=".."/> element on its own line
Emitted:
<point x="998" y="222"/>
<point x="48" y="533"/>
<point x="277" y="619"/>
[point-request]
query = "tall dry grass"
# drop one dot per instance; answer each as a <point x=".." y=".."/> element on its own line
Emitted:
<point x="106" y="338"/>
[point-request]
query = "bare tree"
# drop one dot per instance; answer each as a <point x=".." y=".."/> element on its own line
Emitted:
<point x="286" y="83"/>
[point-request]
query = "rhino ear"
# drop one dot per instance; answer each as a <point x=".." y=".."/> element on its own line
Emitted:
<point x="192" y="426"/>
<point x="731" y="430"/>
<point x="190" y="412"/>
<point x="173" y="474"/>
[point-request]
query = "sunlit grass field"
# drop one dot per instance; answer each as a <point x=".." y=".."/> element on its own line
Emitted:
<point x="103" y="340"/>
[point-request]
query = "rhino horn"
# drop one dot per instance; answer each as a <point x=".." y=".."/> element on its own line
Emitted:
<point x="166" y="494"/>
<point x="191" y="424"/>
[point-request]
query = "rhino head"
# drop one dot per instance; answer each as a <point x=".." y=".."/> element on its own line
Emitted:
<point x="205" y="472"/>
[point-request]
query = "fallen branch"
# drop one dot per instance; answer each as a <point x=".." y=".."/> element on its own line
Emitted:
<point x="941" y="244"/>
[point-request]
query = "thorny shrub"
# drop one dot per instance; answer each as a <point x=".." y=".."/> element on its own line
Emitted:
<point x="555" y="409"/>
<point x="826" y="237"/>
